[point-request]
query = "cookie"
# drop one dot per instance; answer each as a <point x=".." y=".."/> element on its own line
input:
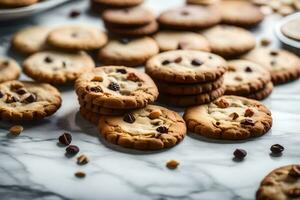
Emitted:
<point x="9" y="69"/>
<point x="172" y="40"/>
<point x="191" y="100"/>
<point x="284" y="66"/>
<point x="89" y="116"/>
<point x="291" y="29"/>
<point x="57" y="67"/>
<point x="229" y="41"/>
<point x="16" y="3"/>
<point x="230" y="118"/>
<point x="150" y="128"/>
<point x="263" y="93"/>
<point x="129" y="52"/>
<point x="76" y="37"/>
<point x="118" y="3"/>
<point x="190" y="17"/>
<point x="282" y="183"/>
<point x="136" y="31"/>
<point x="21" y="100"/>
<point x="188" y="89"/>
<point x="240" y="13"/>
<point x="136" y="16"/>
<point x="244" y="77"/>
<point x="202" y="2"/>
<point x="30" y="40"/>
<point x="186" y="66"/>
<point x="116" y="87"/>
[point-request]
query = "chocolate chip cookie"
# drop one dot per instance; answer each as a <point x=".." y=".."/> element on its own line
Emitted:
<point x="9" y="69"/>
<point x="186" y="66"/>
<point x="282" y="183"/>
<point x="20" y="100"/>
<point x="229" y="117"/>
<point x="262" y="93"/>
<point x="150" y="128"/>
<point x="116" y="87"/>
<point x="57" y="67"/>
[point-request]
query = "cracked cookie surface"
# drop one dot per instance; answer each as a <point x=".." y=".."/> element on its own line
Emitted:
<point x="9" y="69"/>
<point x="229" y="117"/>
<point x="116" y="87"/>
<point x="22" y="100"/>
<point x="186" y="66"/>
<point x="282" y="183"/>
<point x="150" y="128"/>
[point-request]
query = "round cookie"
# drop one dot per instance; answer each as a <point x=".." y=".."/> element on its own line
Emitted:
<point x="9" y="69"/>
<point x="89" y="116"/>
<point x="16" y="3"/>
<point x="136" y="31"/>
<point x="172" y="40"/>
<point x="20" y="100"/>
<point x="202" y="2"/>
<point x="136" y="16"/>
<point x="190" y="17"/>
<point x="30" y="40"/>
<point x="244" y="77"/>
<point x="240" y="13"/>
<point x="116" y="87"/>
<point x="282" y="183"/>
<point x="118" y="3"/>
<point x="77" y="37"/>
<point x="150" y="128"/>
<point x="291" y="29"/>
<point x="284" y="66"/>
<point x="230" y="118"/>
<point x="229" y="41"/>
<point x="263" y="93"/>
<point x="129" y="52"/>
<point x="186" y="66"/>
<point x="188" y="89"/>
<point x="191" y="100"/>
<point x="57" y="67"/>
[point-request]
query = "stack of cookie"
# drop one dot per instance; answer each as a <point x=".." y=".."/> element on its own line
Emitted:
<point x="113" y="90"/>
<point x="136" y="21"/>
<point x="187" y="77"/>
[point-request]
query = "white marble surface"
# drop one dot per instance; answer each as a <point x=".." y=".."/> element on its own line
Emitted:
<point x="33" y="166"/>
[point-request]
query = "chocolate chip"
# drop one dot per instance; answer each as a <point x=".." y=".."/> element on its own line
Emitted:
<point x="273" y="53"/>
<point x="248" y="69"/>
<point x="96" y="89"/>
<point x="129" y="118"/>
<point x="64" y="64"/>
<point x="165" y="62"/>
<point x="182" y="45"/>
<point x="276" y="148"/>
<point x="248" y="112"/>
<point x="218" y="123"/>
<point x="80" y="174"/>
<point x="113" y="86"/>
<point x="162" y="129"/>
<point x="124" y="40"/>
<point x="74" y="35"/>
<point x="21" y="91"/>
<point x="247" y="122"/>
<point x="74" y="13"/>
<point x="122" y="71"/>
<point x="12" y="99"/>
<point x="234" y="115"/>
<point x="65" y="139"/>
<point x="72" y="150"/>
<point x="294" y="192"/>
<point x="273" y="62"/>
<point x="295" y="171"/>
<point x="184" y="13"/>
<point x="5" y="63"/>
<point x="30" y="99"/>
<point x="210" y="57"/>
<point x="196" y="62"/>
<point x="48" y="59"/>
<point x="240" y="154"/>
<point x="178" y="60"/>
<point x="1" y="94"/>
<point x="133" y="77"/>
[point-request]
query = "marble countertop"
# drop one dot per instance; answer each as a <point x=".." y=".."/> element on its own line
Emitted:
<point x="33" y="166"/>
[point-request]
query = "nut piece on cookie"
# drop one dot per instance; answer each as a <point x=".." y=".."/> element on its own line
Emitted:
<point x="136" y="130"/>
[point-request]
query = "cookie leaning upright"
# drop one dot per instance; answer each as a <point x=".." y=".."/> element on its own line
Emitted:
<point x="76" y="37"/>
<point x="229" y="117"/>
<point x="22" y="100"/>
<point x="116" y="87"/>
<point x="149" y="128"/>
<point x="281" y="184"/>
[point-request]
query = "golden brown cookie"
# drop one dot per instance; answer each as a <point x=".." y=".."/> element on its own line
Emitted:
<point x="230" y="118"/>
<point x="149" y="128"/>
<point x="9" y="69"/>
<point x="282" y="183"/>
<point x="262" y="93"/>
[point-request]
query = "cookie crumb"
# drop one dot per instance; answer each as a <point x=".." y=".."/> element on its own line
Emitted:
<point x="80" y="174"/>
<point x="172" y="164"/>
<point x="82" y="160"/>
<point x="16" y="130"/>
<point x="265" y="42"/>
<point x="74" y="13"/>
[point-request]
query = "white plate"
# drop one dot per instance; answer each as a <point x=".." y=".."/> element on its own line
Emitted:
<point x="286" y="40"/>
<point x="15" y="13"/>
